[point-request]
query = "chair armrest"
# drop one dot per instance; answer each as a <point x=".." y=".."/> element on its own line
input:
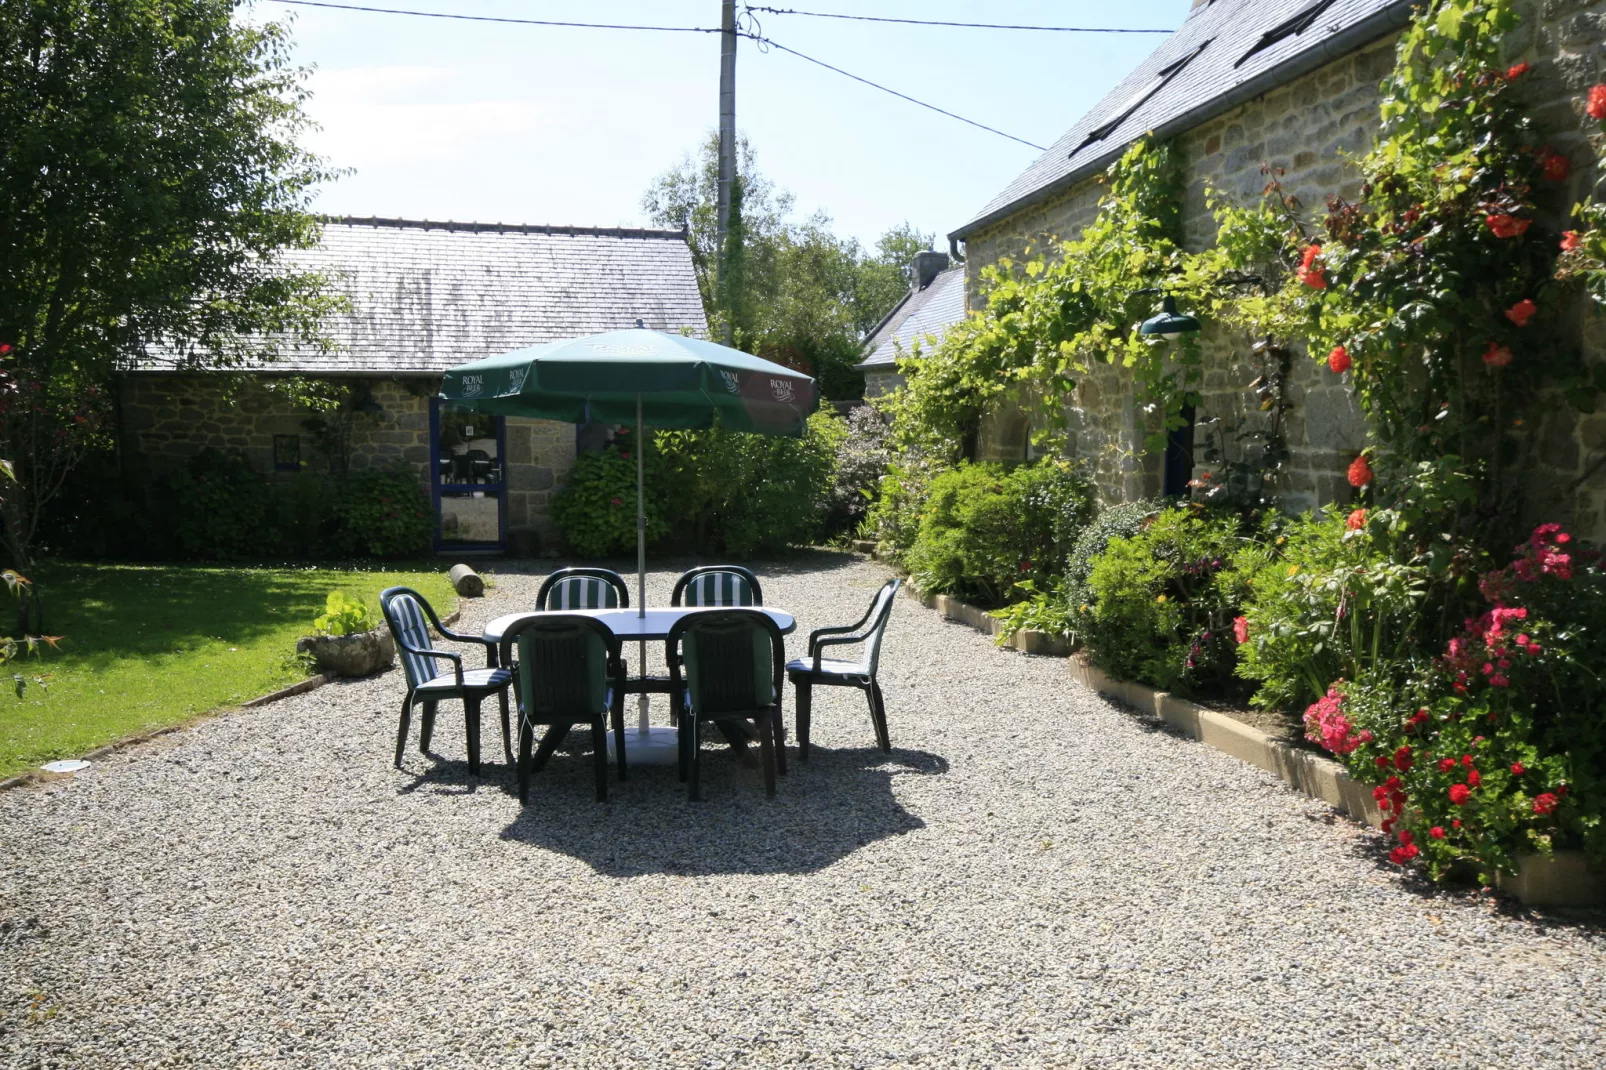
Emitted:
<point x="817" y="634"/>
<point x="817" y="646"/>
<point x="455" y="659"/>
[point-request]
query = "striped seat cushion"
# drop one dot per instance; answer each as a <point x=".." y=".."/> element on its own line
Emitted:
<point x="582" y="592"/>
<point x="719" y="589"/>
<point x="473" y="679"/>
<point x="408" y="620"/>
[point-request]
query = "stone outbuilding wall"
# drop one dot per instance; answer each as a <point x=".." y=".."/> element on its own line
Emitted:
<point x="168" y="418"/>
<point x="1311" y="128"/>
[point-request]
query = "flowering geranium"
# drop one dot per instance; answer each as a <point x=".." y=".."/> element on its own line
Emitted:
<point x="1326" y="724"/>
<point x="1597" y="102"/>
<point x="1240" y="629"/>
<point x="1507" y="226"/>
<point x="1338" y="360"/>
<point x="1555" y="166"/>
<point x="1310" y="270"/>
<point x="1360" y="472"/>
<point x="1516" y="71"/>
<point x="1356" y="520"/>
<point x="1497" y="355"/>
<point x="1521" y="312"/>
<point x="1570" y="241"/>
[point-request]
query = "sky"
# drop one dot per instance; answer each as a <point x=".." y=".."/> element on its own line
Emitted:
<point x="441" y="119"/>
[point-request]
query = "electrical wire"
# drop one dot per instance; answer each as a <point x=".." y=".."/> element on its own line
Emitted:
<point x="494" y="18"/>
<point x="894" y="92"/>
<point x="960" y="25"/>
<point x="758" y="38"/>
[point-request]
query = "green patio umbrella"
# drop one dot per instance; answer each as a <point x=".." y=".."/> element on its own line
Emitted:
<point x="647" y="377"/>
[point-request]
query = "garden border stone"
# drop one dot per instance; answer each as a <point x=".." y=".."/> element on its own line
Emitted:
<point x="312" y="683"/>
<point x="1565" y="879"/>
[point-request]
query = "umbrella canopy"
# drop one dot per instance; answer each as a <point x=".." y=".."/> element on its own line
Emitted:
<point x="678" y="382"/>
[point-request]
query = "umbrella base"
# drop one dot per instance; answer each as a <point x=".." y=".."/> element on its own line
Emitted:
<point x="656" y="746"/>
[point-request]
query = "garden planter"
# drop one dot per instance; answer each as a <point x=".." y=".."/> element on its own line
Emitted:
<point x="360" y="654"/>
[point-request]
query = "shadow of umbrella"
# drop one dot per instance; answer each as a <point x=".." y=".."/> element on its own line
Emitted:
<point x="825" y="810"/>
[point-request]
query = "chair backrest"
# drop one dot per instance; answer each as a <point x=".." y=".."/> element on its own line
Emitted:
<point x="880" y="613"/>
<point x="583" y="588"/>
<point x="717" y="585"/>
<point x="733" y="660"/>
<point x="404" y="610"/>
<point x="562" y="666"/>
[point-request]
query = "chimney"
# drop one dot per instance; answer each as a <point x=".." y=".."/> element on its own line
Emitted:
<point x="928" y="265"/>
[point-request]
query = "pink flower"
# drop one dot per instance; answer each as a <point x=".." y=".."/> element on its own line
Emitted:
<point x="1545" y="803"/>
<point x="1356" y="520"/>
<point x="1570" y="241"/>
<point x="1326" y="724"/>
<point x="1240" y="629"/>
<point x="1507" y="226"/>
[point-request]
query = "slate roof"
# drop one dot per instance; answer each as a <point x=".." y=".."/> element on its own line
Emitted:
<point x="427" y="296"/>
<point x="1227" y="56"/>
<point x="930" y="311"/>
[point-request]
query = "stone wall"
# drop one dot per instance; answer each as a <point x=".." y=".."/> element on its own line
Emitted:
<point x="168" y="418"/>
<point x="1307" y="127"/>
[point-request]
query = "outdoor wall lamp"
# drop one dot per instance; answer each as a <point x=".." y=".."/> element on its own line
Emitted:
<point x="1169" y="324"/>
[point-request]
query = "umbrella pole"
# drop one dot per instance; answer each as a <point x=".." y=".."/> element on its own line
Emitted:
<point x="641" y="559"/>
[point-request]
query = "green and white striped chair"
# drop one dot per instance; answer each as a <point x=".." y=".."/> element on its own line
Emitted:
<point x="405" y="612"/>
<point x="583" y="588"/>
<point x="717" y="585"/>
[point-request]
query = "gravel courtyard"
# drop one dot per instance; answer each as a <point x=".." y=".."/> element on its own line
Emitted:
<point x="1033" y="877"/>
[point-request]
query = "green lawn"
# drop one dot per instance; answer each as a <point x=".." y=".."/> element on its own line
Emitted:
<point x="151" y="645"/>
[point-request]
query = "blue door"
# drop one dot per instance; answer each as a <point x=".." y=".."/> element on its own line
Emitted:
<point x="467" y="451"/>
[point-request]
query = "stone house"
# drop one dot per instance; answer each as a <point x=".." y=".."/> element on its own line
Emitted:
<point x="423" y="297"/>
<point x="1293" y="84"/>
<point x="935" y="302"/>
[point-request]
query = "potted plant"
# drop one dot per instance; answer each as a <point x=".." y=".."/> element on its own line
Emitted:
<point x="346" y="644"/>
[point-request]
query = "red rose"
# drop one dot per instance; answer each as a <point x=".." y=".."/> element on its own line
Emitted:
<point x="1314" y="279"/>
<point x="1456" y="823"/>
<point x="1459" y="794"/>
<point x="1382" y="762"/>
<point x="1025" y="566"/>
<point x="1517" y="769"/>
<point x="1474" y="779"/>
<point x="1555" y="166"/>
<point x="1240" y="629"/>
<point x="1356" y="520"/>
<point x="1521" y="312"/>
<point x="4" y="349"/>
<point x="1446" y="764"/>
<point x="1570" y="241"/>
<point x="1597" y="102"/>
<point x="1402" y="759"/>
<point x="1437" y="832"/>
<point x="1466" y="760"/>
<point x="1496" y="356"/>
<point x="623" y="455"/>
<point x="1338" y="360"/>
<point x="1360" y="472"/>
<point x="618" y="501"/>
<point x="1545" y="803"/>
<point x="1517" y="71"/>
<point x="1507" y="226"/>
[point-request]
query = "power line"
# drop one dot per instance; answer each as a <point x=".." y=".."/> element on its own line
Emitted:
<point x="961" y="25"/>
<point x="493" y="18"/>
<point x="757" y="38"/>
<point x="894" y="92"/>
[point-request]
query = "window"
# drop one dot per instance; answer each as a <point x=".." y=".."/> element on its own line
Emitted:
<point x="1301" y="21"/>
<point x="1137" y="99"/>
<point x="287" y="453"/>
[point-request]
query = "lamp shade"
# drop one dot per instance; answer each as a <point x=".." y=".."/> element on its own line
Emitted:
<point x="1169" y="324"/>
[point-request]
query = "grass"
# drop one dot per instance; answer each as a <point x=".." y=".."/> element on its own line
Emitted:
<point x="146" y="646"/>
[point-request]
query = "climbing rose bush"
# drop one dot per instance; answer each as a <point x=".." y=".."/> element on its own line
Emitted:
<point x="1503" y="747"/>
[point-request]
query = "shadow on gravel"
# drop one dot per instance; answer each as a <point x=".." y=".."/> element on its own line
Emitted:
<point x="822" y="812"/>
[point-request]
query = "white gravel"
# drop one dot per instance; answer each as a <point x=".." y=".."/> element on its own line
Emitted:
<point x="1032" y="878"/>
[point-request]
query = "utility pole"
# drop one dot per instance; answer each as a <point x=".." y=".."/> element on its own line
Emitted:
<point x="727" y="143"/>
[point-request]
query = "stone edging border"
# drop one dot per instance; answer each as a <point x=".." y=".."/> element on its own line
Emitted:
<point x="311" y="683"/>
<point x="1563" y="880"/>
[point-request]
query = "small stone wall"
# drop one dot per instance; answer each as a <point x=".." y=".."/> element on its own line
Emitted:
<point x="168" y="418"/>
<point x="1306" y="128"/>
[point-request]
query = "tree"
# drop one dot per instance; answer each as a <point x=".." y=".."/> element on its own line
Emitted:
<point x="150" y="185"/>
<point x="795" y="292"/>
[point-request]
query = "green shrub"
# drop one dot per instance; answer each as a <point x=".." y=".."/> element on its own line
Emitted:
<point x="596" y="509"/>
<point x="861" y="462"/>
<point x="893" y="519"/>
<point x="740" y="494"/>
<point x="219" y="507"/>
<point x="1118" y="521"/>
<point x="383" y="513"/>
<point x="986" y="529"/>
<point x="343" y="615"/>
<point x="1163" y="602"/>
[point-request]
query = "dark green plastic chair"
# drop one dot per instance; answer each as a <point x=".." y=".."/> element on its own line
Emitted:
<point x="405" y="611"/>
<point x="566" y="675"/>
<point x="717" y="585"/>
<point x="583" y="588"/>
<point x="726" y="665"/>
<point x="836" y="672"/>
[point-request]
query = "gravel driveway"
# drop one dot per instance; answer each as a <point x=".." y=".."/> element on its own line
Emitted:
<point x="1033" y="877"/>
